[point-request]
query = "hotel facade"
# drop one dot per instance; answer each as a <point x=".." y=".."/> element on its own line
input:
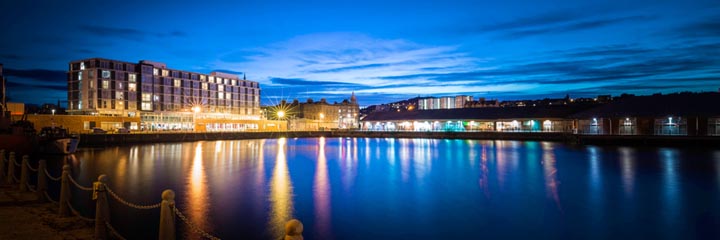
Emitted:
<point x="163" y="98"/>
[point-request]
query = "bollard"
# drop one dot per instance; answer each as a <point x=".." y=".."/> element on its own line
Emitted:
<point x="102" y="212"/>
<point x="41" y="180"/>
<point x="24" y="173"/>
<point x="293" y="230"/>
<point x="11" y="168"/>
<point x="2" y="163"/>
<point x="167" y="216"/>
<point x="65" y="191"/>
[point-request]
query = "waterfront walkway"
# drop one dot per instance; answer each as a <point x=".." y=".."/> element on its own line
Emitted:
<point x="22" y="216"/>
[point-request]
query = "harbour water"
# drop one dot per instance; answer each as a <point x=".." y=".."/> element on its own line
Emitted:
<point x="372" y="188"/>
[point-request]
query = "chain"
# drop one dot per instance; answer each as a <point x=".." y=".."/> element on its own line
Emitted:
<point x="192" y="226"/>
<point x="78" y="185"/>
<point x="136" y="206"/>
<point x="30" y="167"/>
<point x="51" y="177"/>
<point x="49" y="198"/>
<point x="114" y="233"/>
<point x="30" y="187"/>
<point x="78" y="213"/>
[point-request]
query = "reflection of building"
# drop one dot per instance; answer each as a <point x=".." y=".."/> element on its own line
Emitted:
<point x="162" y="97"/>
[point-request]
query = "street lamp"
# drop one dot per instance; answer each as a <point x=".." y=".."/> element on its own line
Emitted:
<point x="53" y="111"/>
<point x="322" y="117"/>
<point x="281" y="114"/>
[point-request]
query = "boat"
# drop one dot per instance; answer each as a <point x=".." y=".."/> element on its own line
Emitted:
<point x="19" y="137"/>
<point x="57" y="140"/>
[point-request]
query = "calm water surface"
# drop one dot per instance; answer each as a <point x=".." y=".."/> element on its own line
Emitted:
<point x="342" y="188"/>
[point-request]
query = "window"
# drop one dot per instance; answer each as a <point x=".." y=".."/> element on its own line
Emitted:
<point x="119" y="95"/>
<point x="220" y="95"/>
<point x="132" y="77"/>
<point x="204" y="86"/>
<point x="233" y="82"/>
<point x="79" y="76"/>
<point x="155" y="71"/>
<point x="220" y="88"/>
<point x="82" y="65"/>
<point x="165" y="73"/>
<point x="105" y="84"/>
<point x="132" y="87"/>
<point x="177" y="83"/>
<point x="227" y="96"/>
<point x="92" y="84"/>
<point x="202" y="77"/>
<point x="120" y="85"/>
<point x="105" y="74"/>
<point x="146" y="106"/>
<point x="91" y="74"/>
<point x="211" y="78"/>
<point x="146" y="97"/>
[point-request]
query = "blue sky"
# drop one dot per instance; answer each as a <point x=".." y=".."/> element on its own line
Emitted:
<point x="384" y="51"/>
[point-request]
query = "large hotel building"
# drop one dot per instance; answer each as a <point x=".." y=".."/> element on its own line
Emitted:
<point x="164" y="98"/>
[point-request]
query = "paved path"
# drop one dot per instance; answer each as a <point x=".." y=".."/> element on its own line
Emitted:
<point x="23" y="217"/>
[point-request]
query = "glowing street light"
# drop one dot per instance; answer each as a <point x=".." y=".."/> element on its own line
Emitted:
<point x="53" y="111"/>
<point x="281" y="114"/>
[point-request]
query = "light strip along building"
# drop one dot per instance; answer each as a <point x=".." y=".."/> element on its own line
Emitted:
<point x="164" y="99"/>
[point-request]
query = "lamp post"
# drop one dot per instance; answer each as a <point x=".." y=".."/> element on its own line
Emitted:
<point x="322" y="117"/>
<point x="53" y="112"/>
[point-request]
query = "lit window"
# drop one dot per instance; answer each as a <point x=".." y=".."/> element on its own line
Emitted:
<point x="132" y="77"/>
<point x="120" y="86"/>
<point x="132" y="87"/>
<point x="80" y="76"/>
<point x="105" y="74"/>
<point x="233" y="82"/>
<point x="105" y="84"/>
<point x="165" y="73"/>
<point x="220" y="95"/>
<point x="82" y="65"/>
<point x="204" y="86"/>
<point x="221" y="88"/>
<point x="227" y="96"/>
<point x="211" y="78"/>
<point x="119" y="95"/>
<point x="202" y="77"/>
<point x="155" y="71"/>
<point x="146" y="106"/>
<point x="92" y="84"/>
<point x="177" y="83"/>
<point x="146" y="97"/>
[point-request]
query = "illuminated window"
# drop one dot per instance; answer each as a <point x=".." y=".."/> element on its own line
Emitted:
<point x="177" y="83"/>
<point x="92" y="84"/>
<point x="119" y="95"/>
<point x="146" y="106"/>
<point x="82" y="65"/>
<point x="105" y="74"/>
<point x="105" y="84"/>
<point x="211" y="78"/>
<point x="202" y="77"/>
<point x="155" y="71"/>
<point x="221" y="88"/>
<point x="132" y="77"/>
<point x="80" y="76"/>
<point x="227" y="96"/>
<point x="132" y="87"/>
<point x="120" y="86"/>
<point x="204" y="86"/>
<point x="220" y="95"/>
<point x="165" y="73"/>
<point x="146" y="97"/>
<point x="233" y="82"/>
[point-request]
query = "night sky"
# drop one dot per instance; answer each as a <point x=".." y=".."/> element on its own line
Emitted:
<point x="384" y="51"/>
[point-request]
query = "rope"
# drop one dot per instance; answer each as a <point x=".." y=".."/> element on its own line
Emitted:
<point x="51" y="177"/>
<point x="192" y="226"/>
<point x="78" y="213"/>
<point x="129" y="204"/>
<point x="78" y="185"/>
<point x="113" y="232"/>
<point x="49" y="198"/>
<point x="16" y="163"/>
<point x="30" y="167"/>
<point x="16" y="179"/>
<point x="30" y="187"/>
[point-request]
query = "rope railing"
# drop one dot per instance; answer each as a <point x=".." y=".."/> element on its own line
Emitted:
<point x="192" y="226"/>
<point x="30" y="187"/>
<point x="72" y="180"/>
<point x="114" y="232"/>
<point x="50" y="199"/>
<point x="30" y="167"/>
<point x="57" y="179"/>
<point x="129" y="204"/>
<point x="72" y="209"/>
<point x="17" y="164"/>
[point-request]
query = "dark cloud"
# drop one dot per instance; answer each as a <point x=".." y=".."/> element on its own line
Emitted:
<point x="41" y="75"/>
<point x="707" y="28"/>
<point x="20" y="85"/>
<point x="127" y="33"/>
<point x="571" y="27"/>
<point x="358" y="67"/>
<point x="304" y="82"/>
<point x="229" y="71"/>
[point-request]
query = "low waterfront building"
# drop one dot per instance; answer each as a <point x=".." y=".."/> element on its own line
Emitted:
<point x="318" y="115"/>
<point x="163" y="98"/>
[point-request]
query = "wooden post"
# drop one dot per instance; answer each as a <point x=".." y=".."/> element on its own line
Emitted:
<point x="65" y="191"/>
<point x="41" y="180"/>
<point x="11" y="168"/>
<point x="24" y="173"/>
<point x="2" y="162"/>
<point x="293" y="230"/>
<point x="102" y="213"/>
<point x="167" y="216"/>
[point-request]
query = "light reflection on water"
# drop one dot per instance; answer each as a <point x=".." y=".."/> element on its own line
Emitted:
<point x="389" y="188"/>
